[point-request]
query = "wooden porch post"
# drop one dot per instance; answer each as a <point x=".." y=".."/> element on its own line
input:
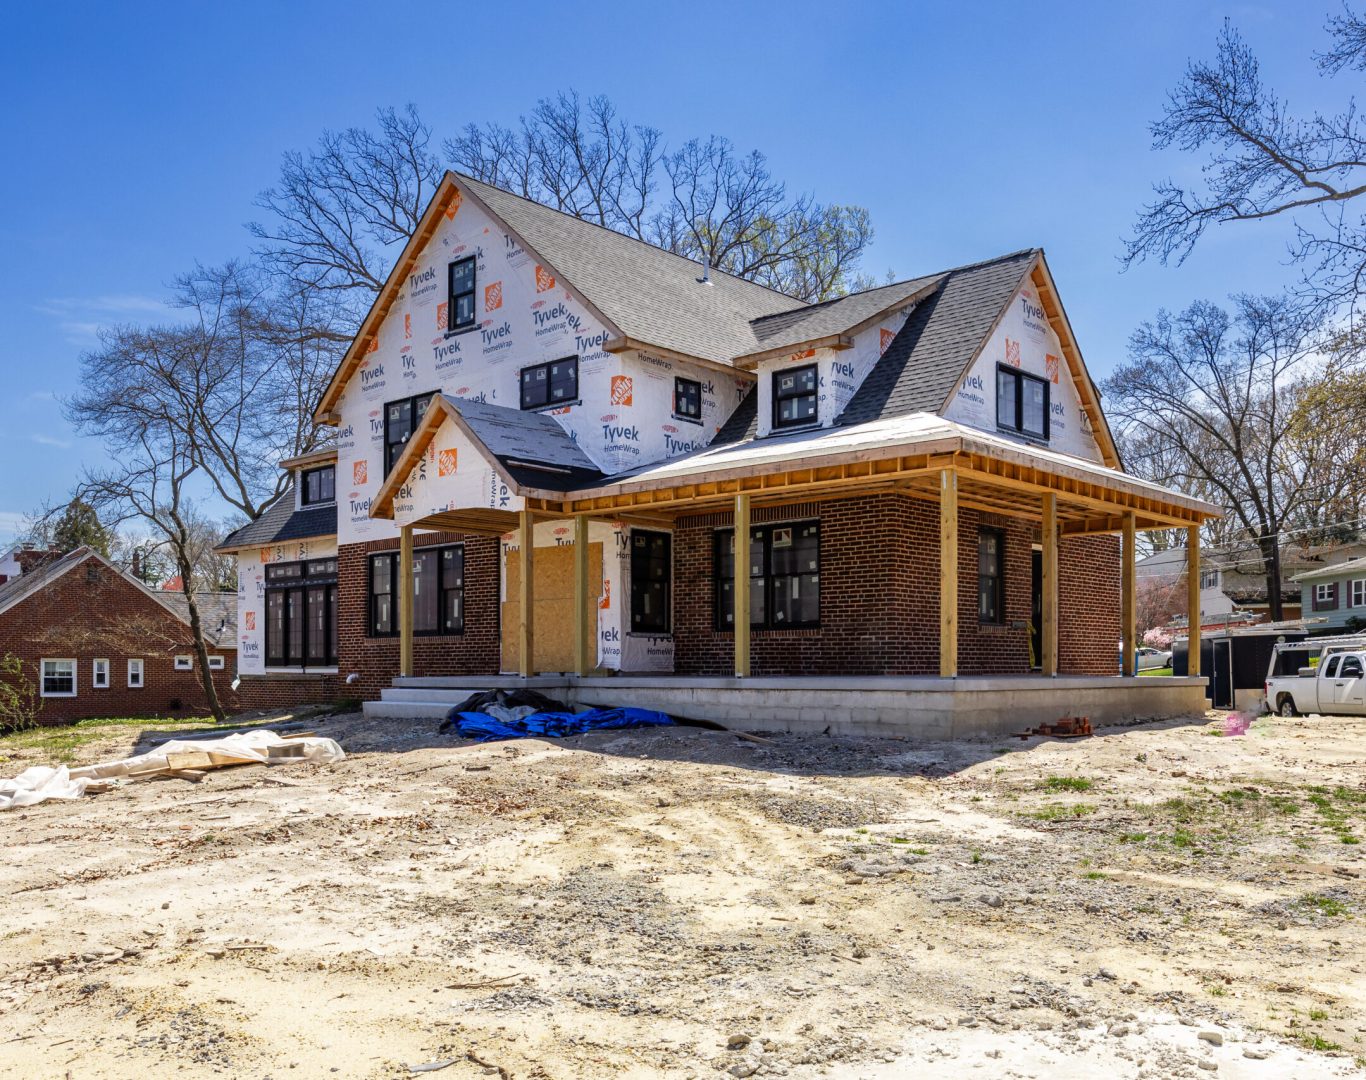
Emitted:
<point x="1193" y="599"/>
<point x="1128" y="597"/>
<point x="405" y="600"/>
<point x="583" y="663"/>
<point x="740" y="590"/>
<point x="948" y="573"/>
<point x="526" y="630"/>
<point x="1049" y="660"/>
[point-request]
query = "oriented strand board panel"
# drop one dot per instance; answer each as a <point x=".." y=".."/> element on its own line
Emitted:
<point x="553" y="590"/>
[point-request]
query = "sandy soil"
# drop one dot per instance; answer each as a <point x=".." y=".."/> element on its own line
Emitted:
<point x="1156" y="901"/>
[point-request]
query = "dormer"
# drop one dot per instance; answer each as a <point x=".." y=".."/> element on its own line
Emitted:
<point x="314" y="478"/>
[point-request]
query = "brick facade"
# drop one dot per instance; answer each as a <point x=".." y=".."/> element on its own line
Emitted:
<point x="285" y="690"/>
<point x="92" y="611"/>
<point x="474" y="652"/>
<point x="879" y="607"/>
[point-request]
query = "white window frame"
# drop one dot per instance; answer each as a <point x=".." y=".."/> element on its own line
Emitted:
<point x="99" y="674"/>
<point x="1323" y="592"/>
<point x="141" y="668"/>
<point x="217" y="663"/>
<point x="184" y="663"/>
<point x="42" y="676"/>
<point x="1358" y="587"/>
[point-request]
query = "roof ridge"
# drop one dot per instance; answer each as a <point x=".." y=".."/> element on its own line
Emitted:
<point x="628" y="236"/>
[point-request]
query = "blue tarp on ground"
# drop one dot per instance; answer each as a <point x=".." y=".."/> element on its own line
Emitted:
<point x="554" y="725"/>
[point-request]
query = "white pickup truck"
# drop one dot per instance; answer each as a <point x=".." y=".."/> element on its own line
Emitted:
<point x="1335" y="687"/>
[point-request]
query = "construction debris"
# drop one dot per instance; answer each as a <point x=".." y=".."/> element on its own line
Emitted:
<point x="186" y="759"/>
<point x="1069" y="727"/>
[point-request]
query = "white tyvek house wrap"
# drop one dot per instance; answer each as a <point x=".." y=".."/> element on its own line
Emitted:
<point x="1025" y="340"/>
<point x="624" y="417"/>
<point x="617" y="649"/>
<point x="251" y="595"/>
<point x="840" y="372"/>
<point x="451" y="474"/>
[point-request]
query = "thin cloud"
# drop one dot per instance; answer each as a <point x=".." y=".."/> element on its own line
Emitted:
<point x="13" y="524"/>
<point x="48" y="440"/>
<point x="82" y="318"/>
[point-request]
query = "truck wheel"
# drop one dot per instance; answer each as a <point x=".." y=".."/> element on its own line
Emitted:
<point x="1288" y="706"/>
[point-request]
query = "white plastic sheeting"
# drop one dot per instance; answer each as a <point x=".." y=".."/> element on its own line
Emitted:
<point x="39" y="784"/>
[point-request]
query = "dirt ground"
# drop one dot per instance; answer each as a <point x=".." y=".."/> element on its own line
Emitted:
<point x="1155" y="901"/>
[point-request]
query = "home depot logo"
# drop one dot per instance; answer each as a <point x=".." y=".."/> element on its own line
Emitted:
<point x="442" y="316"/>
<point x="1012" y="352"/>
<point x="545" y="280"/>
<point x="1052" y="365"/>
<point x="250" y="617"/>
<point x="493" y="296"/>
<point x="885" y="337"/>
<point x="407" y="325"/>
<point x="606" y="601"/>
<point x="445" y="462"/>
<point x="805" y="354"/>
<point x="373" y="345"/>
<point x="360" y="472"/>
<point x="453" y="207"/>
<point x="621" y="389"/>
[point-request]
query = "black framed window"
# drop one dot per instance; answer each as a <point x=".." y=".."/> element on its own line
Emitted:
<point x="553" y="383"/>
<point x="400" y="421"/>
<point x="301" y="614"/>
<point x="651" y="572"/>
<point x="438" y="592"/>
<point x="794" y="396"/>
<point x="991" y="547"/>
<point x="687" y="399"/>
<point x="320" y="485"/>
<point x="784" y="576"/>
<point x="460" y="295"/>
<point x="1022" y="402"/>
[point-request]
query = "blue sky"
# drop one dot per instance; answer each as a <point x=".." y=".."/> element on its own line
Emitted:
<point x="139" y="134"/>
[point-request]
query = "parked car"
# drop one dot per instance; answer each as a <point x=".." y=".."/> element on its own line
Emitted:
<point x="1150" y="658"/>
<point x="1337" y="686"/>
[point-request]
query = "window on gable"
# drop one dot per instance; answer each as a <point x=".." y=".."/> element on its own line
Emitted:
<point x="794" y="396"/>
<point x="784" y="576"/>
<point x="59" y="678"/>
<point x="687" y="399"/>
<point x="99" y="674"/>
<point x="460" y="312"/>
<point x="990" y="576"/>
<point x="650" y="579"/>
<point x="320" y="485"/>
<point x="1021" y="402"/>
<point x="438" y="592"/>
<point x="553" y="383"/>
<point x="400" y="421"/>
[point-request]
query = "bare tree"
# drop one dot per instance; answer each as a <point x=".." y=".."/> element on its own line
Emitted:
<point x="1213" y="399"/>
<point x="339" y="211"/>
<point x="1263" y="162"/>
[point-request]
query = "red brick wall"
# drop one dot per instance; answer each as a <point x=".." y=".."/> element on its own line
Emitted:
<point x="94" y="612"/>
<point x="282" y="690"/>
<point x="880" y="596"/>
<point x="474" y="652"/>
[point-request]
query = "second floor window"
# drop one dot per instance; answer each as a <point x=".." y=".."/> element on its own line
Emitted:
<point x="400" y="420"/>
<point x="1021" y="402"/>
<point x="794" y="396"/>
<point x="687" y="399"/>
<point x="460" y="313"/>
<point x="320" y="485"/>
<point x="553" y="383"/>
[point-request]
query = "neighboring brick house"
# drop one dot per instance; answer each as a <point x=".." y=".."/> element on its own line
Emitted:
<point x="547" y="432"/>
<point x="96" y="642"/>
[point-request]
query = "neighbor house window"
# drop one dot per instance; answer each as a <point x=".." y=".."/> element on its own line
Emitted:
<point x="552" y="383"/>
<point x="184" y="663"/>
<point x="1326" y="597"/>
<point x="990" y="578"/>
<point x="135" y="674"/>
<point x="687" y="399"/>
<point x="301" y="614"/>
<point x="1209" y="579"/>
<point x="99" y="674"/>
<point x="1359" y="592"/>
<point x="650" y="574"/>
<point x="320" y="485"/>
<point x="794" y="396"/>
<point x="1021" y="402"/>
<point x="438" y="592"/>
<point x="400" y="420"/>
<point x="59" y="678"/>
<point x="460" y="313"/>
<point x="784" y="576"/>
<point x="216" y="663"/>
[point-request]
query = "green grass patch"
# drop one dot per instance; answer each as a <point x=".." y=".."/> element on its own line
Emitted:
<point x="1323" y="905"/>
<point x="1156" y="671"/>
<point x="1061" y="811"/>
<point x="1183" y="839"/>
<point x="1066" y="783"/>
<point x="1095" y="875"/>
<point x="1132" y="837"/>
<point x="59" y="744"/>
<point x="1316" y="1042"/>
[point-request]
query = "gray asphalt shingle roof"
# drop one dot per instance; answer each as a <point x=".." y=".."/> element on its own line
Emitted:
<point x="518" y="439"/>
<point x="831" y="317"/>
<point x="944" y="332"/>
<point x="651" y="294"/>
<point x="217" y="615"/>
<point x="281" y="522"/>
